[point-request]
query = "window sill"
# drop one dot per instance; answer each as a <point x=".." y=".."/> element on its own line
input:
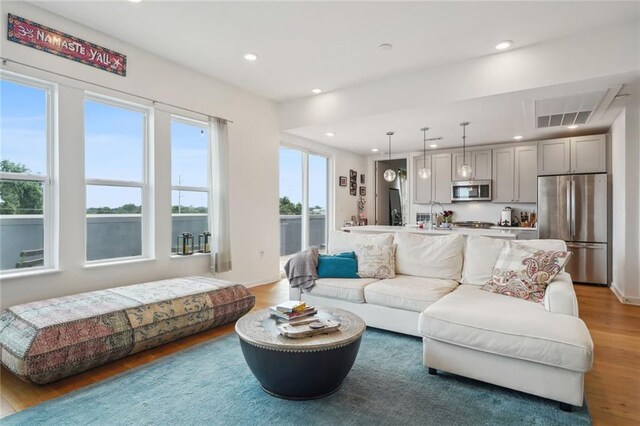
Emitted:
<point x="179" y="256"/>
<point x="123" y="261"/>
<point x="25" y="274"/>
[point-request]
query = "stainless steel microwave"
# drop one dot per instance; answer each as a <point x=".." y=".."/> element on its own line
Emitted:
<point x="472" y="190"/>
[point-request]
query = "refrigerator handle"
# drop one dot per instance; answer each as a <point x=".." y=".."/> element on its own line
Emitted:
<point x="569" y="209"/>
<point x="573" y="209"/>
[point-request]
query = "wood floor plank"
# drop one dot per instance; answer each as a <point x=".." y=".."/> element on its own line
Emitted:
<point x="612" y="387"/>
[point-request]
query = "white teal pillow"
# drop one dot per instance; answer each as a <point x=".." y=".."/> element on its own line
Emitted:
<point x="376" y="260"/>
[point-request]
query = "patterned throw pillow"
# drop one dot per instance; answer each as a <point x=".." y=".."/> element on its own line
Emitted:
<point x="524" y="272"/>
<point x="376" y="260"/>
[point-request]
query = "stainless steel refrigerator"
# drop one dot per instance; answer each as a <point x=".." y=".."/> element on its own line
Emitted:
<point x="574" y="208"/>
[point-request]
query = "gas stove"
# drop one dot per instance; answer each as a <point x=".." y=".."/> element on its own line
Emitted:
<point x="473" y="224"/>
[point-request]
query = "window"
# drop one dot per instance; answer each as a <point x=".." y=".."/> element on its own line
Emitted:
<point x="189" y="179"/>
<point x="118" y="198"/>
<point x="27" y="189"/>
<point x="304" y="183"/>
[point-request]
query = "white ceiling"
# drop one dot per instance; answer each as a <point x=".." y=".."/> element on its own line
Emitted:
<point x="331" y="45"/>
<point x="495" y="119"/>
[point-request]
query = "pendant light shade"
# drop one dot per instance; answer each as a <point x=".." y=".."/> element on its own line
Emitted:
<point x="424" y="172"/>
<point x="390" y="174"/>
<point x="465" y="170"/>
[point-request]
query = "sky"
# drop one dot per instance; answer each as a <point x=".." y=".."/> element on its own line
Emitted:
<point x="114" y="150"/>
<point x="291" y="177"/>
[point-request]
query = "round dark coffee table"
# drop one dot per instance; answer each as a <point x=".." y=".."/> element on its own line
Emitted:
<point x="306" y="368"/>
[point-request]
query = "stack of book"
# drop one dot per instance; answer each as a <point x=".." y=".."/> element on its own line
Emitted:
<point x="292" y="310"/>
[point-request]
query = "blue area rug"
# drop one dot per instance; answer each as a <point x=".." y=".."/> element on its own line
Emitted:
<point x="211" y="384"/>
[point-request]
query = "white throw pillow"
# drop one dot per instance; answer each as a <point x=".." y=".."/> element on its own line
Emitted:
<point x="430" y="256"/>
<point x="480" y="256"/>
<point x="339" y="242"/>
<point x="376" y="260"/>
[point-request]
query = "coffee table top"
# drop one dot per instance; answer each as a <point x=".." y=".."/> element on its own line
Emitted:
<point x="260" y="329"/>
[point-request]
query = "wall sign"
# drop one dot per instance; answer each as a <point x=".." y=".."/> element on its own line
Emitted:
<point x="32" y="34"/>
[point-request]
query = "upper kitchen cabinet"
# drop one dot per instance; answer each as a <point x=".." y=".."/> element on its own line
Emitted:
<point x="441" y="177"/>
<point x="480" y="164"/>
<point x="583" y="154"/>
<point x="554" y="156"/>
<point x="438" y="186"/>
<point x="589" y="154"/>
<point x="421" y="187"/>
<point x="514" y="174"/>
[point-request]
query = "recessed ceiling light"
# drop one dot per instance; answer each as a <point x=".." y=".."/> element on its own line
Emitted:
<point x="517" y="137"/>
<point x="374" y="150"/>
<point x="135" y="1"/>
<point x="330" y="134"/>
<point x="433" y="145"/>
<point x="251" y="56"/>
<point x="385" y="46"/>
<point x="505" y="44"/>
<point x="316" y="91"/>
<point x="573" y="126"/>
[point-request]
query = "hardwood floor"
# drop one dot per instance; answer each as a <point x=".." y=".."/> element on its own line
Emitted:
<point x="613" y="386"/>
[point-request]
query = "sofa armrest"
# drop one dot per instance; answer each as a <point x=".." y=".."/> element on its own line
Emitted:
<point x="560" y="297"/>
<point x="294" y="293"/>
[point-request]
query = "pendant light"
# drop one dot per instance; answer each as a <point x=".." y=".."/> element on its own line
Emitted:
<point x="424" y="172"/>
<point x="390" y="174"/>
<point x="465" y="169"/>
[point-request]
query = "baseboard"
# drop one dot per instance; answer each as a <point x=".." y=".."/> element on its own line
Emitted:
<point x="623" y="299"/>
<point x="262" y="281"/>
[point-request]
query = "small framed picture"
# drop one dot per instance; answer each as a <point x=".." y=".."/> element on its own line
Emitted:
<point x="343" y="181"/>
<point x="353" y="190"/>
<point x="363" y="190"/>
<point x="361" y="179"/>
<point x="353" y="174"/>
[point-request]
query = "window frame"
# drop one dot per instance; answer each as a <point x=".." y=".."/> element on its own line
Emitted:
<point x="306" y="152"/>
<point x="145" y="184"/>
<point x="50" y="180"/>
<point x="204" y="125"/>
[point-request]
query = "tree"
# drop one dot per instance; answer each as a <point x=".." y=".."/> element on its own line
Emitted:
<point x="287" y="207"/>
<point x="19" y="197"/>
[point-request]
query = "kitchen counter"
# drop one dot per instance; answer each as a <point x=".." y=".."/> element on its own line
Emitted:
<point x="508" y="233"/>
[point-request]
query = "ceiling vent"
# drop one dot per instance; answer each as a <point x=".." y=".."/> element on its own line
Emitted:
<point x="567" y="110"/>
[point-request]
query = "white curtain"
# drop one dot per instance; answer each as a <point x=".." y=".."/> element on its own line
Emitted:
<point x="219" y="195"/>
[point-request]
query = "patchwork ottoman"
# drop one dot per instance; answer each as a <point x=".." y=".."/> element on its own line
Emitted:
<point x="47" y="340"/>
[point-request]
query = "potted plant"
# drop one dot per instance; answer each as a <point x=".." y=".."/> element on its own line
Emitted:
<point x="447" y="218"/>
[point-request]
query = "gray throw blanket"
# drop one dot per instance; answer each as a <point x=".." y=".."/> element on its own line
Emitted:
<point x="302" y="269"/>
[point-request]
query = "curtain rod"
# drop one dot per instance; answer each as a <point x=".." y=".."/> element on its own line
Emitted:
<point x="153" y="101"/>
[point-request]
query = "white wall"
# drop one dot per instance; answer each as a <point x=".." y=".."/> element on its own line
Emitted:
<point x="625" y="153"/>
<point x="344" y="204"/>
<point x="254" y="141"/>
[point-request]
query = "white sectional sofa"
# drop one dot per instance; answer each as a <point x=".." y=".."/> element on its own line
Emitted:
<point x="538" y="348"/>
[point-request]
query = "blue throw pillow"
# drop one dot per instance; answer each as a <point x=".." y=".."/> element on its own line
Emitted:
<point x="343" y="265"/>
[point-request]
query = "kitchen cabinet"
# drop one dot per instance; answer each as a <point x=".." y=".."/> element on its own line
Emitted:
<point x="480" y="164"/>
<point x="589" y="154"/>
<point x="421" y="187"/>
<point x="514" y="174"/>
<point x="441" y="176"/>
<point x="582" y="154"/>
<point x="438" y="186"/>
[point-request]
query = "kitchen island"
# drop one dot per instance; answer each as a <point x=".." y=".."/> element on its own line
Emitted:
<point x="507" y="233"/>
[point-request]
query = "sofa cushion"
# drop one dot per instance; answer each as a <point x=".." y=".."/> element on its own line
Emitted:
<point x="514" y="328"/>
<point x="342" y="265"/>
<point x="429" y="256"/>
<point x="349" y="289"/>
<point x="376" y="260"/>
<point x="481" y="253"/>
<point x="525" y="272"/>
<point x="346" y="241"/>
<point x="408" y="292"/>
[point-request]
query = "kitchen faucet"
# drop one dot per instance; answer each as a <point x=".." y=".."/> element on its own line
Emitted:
<point x="431" y="218"/>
